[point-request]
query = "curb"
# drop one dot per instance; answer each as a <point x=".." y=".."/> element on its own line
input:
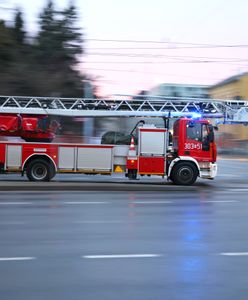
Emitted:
<point x="95" y="186"/>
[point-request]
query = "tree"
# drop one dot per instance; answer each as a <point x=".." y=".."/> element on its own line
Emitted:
<point x="19" y="33"/>
<point x="7" y="45"/>
<point x="70" y="34"/>
<point x="7" y="57"/>
<point x="58" y="44"/>
<point x="47" y="39"/>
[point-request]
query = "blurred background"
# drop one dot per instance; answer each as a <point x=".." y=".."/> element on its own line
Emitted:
<point x="96" y="50"/>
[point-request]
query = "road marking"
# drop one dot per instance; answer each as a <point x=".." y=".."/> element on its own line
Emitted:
<point x="219" y="201"/>
<point x="84" y="202"/>
<point x="237" y="190"/>
<point x="121" y="256"/>
<point x="234" y="253"/>
<point x="98" y="222"/>
<point x="12" y="223"/>
<point x="16" y="258"/>
<point x="150" y="202"/>
<point x="228" y="175"/>
<point x="16" y="203"/>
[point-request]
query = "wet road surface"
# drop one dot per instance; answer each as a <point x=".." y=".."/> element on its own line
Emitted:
<point x="185" y="243"/>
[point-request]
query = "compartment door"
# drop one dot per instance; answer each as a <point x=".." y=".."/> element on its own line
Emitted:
<point x="95" y="159"/>
<point x="66" y="158"/>
<point x="14" y="157"/>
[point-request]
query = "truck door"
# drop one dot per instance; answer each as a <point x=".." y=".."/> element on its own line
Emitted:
<point x="198" y="143"/>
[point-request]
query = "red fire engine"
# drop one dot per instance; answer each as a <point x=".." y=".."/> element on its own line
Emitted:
<point x="193" y="154"/>
<point x="188" y="153"/>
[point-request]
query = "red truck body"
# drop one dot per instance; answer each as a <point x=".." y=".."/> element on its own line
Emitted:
<point x="192" y="154"/>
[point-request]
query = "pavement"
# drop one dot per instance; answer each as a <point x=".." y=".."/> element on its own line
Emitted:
<point x="135" y="245"/>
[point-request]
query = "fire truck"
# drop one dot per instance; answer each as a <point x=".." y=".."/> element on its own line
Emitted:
<point x="189" y="152"/>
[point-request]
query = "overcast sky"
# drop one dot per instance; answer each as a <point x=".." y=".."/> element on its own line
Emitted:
<point x="127" y="67"/>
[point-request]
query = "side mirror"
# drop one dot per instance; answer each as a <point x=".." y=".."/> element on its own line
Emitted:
<point x="211" y="134"/>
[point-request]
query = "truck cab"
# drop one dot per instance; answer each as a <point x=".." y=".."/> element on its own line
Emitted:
<point x="193" y="151"/>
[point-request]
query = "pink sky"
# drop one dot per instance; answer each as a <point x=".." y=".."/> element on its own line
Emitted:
<point x="141" y="66"/>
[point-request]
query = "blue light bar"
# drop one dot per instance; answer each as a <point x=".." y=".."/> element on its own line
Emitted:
<point x="196" y="115"/>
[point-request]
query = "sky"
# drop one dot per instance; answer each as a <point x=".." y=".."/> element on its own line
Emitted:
<point x="134" y="45"/>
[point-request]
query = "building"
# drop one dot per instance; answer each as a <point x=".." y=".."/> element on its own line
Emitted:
<point x="180" y="90"/>
<point x="235" y="87"/>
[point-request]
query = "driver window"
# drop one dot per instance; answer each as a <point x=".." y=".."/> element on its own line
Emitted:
<point x="194" y="132"/>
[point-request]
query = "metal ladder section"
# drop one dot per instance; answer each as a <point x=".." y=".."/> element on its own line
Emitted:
<point x="230" y="110"/>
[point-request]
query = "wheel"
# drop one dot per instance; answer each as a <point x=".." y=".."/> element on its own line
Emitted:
<point x="40" y="170"/>
<point x="53" y="172"/>
<point x="184" y="173"/>
<point x="132" y="174"/>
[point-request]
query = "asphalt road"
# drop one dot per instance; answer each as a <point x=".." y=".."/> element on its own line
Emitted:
<point x="156" y="241"/>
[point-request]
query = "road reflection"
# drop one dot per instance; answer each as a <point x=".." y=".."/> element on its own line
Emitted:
<point x="192" y="263"/>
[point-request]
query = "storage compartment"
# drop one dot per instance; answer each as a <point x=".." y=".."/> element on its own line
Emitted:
<point x="151" y="165"/>
<point x="152" y="141"/>
<point x="14" y="157"/>
<point x="66" y="158"/>
<point x="95" y="159"/>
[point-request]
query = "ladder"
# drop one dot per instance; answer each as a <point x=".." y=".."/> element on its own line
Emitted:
<point x="229" y="110"/>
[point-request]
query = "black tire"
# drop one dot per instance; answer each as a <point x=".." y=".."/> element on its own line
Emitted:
<point x="53" y="172"/>
<point x="132" y="174"/>
<point x="40" y="170"/>
<point x="184" y="173"/>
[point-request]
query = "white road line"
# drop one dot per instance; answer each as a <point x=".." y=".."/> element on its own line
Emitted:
<point x="150" y="202"/>
<point x="121" y="256"/>
<point x="220" y="201"/>
<point x="16" y="203"/>
<point x="237" y="190"/>
<point x="84" y="202"/>
<point x="98" y="222"/>
<point x="16" y="258"/>
<point x="228" y="175"/>
<point x="234" y="253"/>
<point x="12" y="223"/>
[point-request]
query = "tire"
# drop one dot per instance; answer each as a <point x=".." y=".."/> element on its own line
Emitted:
<point x="40" y="170"/>
<point x="53" y="172"/>
<point x="184" y="173"/>
<point x="132" y="174"/>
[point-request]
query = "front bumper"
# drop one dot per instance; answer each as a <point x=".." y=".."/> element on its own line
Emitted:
<point x="210" y="172"/>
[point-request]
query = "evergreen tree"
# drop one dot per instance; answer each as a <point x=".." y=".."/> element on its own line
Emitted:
<point x="7" y="45"/>
<point x="70" y="34"/>
<point x="47" y="39"/>
<point x="58" y="44"/>
<point x="19" y="32"/>
<point x="7" y="57"/>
